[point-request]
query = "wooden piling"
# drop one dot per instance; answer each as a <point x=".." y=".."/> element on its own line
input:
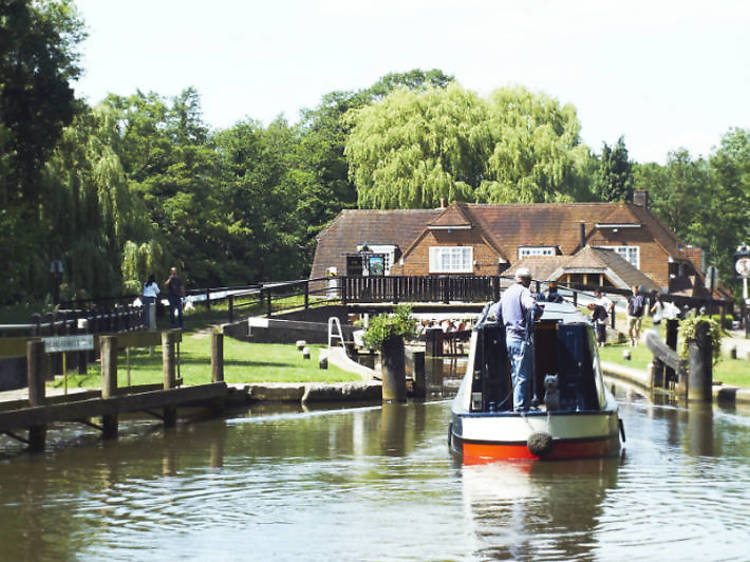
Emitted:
<point x="217" y="357"/>
<point x="700" y="374"/>
<point x="168" y="343"/>
<point x="35" y="373"/>
<point x="108" y="355"/>
<point x="393" y="370"/>
<point x="420" y="380"/>
<point x="671" y="341"/>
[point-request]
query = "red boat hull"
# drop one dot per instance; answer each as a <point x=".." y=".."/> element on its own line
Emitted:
<point x="481" y="453"/>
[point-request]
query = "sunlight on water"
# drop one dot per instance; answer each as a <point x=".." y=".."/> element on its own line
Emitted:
<point x="378" y="483"/>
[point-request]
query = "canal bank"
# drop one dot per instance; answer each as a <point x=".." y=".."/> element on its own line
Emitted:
<point x="722" y="394"/>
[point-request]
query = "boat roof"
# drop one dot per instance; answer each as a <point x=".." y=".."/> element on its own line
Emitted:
<point x="563" y="312"/>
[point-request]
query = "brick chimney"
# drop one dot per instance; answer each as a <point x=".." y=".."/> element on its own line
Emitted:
<point x="640" y="198"/>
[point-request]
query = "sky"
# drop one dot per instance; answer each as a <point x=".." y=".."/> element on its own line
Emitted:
<point x="664" y="74"/>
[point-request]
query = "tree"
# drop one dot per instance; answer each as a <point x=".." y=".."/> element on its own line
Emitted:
<point x="415" y="147"/>
<point x="38" y="59"/>
<point x="614" y="181"/>
<point x="537" y="154"/>
<point x="677" y="191"/>
<point x="723" y="223"/>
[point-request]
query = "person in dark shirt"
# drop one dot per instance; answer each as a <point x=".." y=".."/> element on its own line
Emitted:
<point x="552" y="294"/>
<point x="636" y="307"/>
<point x="175" y="294"/>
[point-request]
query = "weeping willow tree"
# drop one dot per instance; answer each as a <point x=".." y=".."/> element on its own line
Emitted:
<point x="415" y="147"/>
<point x="92" y="216"/>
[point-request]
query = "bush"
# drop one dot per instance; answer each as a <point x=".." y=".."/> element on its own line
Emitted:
<point x="385" y="326"/>
<point x="688" y="330"/>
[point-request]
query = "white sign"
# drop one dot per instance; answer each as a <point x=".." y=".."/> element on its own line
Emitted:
<point x="68" y="343"/>
<point x="742" y="266"/>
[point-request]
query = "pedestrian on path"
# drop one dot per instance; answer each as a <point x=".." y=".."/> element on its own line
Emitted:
<point x="175" y="293"/>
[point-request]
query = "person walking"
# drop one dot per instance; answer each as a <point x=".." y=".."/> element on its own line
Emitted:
<point x="516" y="304"/>
<point x="636" y="306"/>
<point x="603" y="307"/>
<point x="657" y="312"/>
<point x="175" y="293"/>
<point x="150" y="292"/>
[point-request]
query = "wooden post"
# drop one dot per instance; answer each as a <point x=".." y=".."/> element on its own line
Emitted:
<point x="217" y="357"/>
<point x="208" y="298"/>
<point x="700" y="372"/>
<point x="307" y="294"/>
<point x="36" y="321"/>
<point x="168" y="340"/>
<point x="671" y="341"/>
<point x="108" y="354"/>
<point x="35" y="374"/>
<point x="420" y="380"/>
<point x="393" y="370"/>
<point x="269" y="311"/>
<point x="575" y="298"/>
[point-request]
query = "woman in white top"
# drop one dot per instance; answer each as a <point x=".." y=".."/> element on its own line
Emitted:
<point x="657" y="312"/>
<point x="150" y="292"/>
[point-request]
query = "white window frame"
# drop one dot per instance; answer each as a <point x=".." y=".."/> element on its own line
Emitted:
<point x="451" y="259"/>
<point x="524" y="251"/>
<point x="631" y="254"/>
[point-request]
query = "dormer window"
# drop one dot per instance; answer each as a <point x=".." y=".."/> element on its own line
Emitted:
<point x="525" y="251"/>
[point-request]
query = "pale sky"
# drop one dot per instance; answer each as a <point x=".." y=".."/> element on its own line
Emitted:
<point x="665" y="74"/>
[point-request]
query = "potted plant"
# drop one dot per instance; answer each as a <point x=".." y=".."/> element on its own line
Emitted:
<point x="386" y="333"/>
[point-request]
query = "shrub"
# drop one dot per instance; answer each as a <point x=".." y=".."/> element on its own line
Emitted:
<point x="688" y="330"/>
<point x="385" y="326"/>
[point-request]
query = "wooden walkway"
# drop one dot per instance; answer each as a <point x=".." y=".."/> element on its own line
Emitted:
<point x="31" y="410"/>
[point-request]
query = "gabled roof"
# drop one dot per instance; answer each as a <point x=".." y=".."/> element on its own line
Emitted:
<point x="452" y="217"/>
<point x="587" y="260"/>
<point x="457" y="212"/>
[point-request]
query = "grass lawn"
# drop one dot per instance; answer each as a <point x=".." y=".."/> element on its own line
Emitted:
<point x="243" y="362"/>
<point x="729" y="371"/>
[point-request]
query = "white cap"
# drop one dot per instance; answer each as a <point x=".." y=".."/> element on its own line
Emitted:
<point x="523" y="273"/>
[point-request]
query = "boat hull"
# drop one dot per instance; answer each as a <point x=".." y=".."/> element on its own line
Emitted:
<point x="486" y="438"/>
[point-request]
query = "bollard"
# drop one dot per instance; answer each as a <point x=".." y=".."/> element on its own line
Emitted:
<point x="700" y="375"/>
<point x="305" y="353"/>
<point x="420" y="378"/>
<point x="108" y="354"/>
<point x="35" y="359"/>
<point x="393" y="369"/>
<point x="433" y="342"/>
<point x="671" y="341"/>
<point x="217" y="357"/>
<point x="168" y="344"/>
<point x="322" y="359"/>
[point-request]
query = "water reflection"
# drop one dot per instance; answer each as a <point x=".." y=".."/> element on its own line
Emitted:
<point x="536" y="511"/>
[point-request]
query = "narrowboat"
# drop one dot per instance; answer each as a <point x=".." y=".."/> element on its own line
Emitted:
<point x="573" y="414"/>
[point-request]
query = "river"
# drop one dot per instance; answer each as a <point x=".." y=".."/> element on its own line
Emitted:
<point x="378" y="483"/>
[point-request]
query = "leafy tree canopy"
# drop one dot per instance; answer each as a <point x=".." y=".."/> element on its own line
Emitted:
<point x="415" y="147"/>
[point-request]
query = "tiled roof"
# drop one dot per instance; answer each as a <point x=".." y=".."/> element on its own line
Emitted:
<point x="506" y="227"/>
<point x="587" y="260"/>
<point x="455" y="215"/>
<point x="353" y="227"/>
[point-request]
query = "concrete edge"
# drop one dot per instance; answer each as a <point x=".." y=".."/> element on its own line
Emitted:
<point x="314" y="392"/>
<point x="337" y="356"/>
<point x="724" y="394"/>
